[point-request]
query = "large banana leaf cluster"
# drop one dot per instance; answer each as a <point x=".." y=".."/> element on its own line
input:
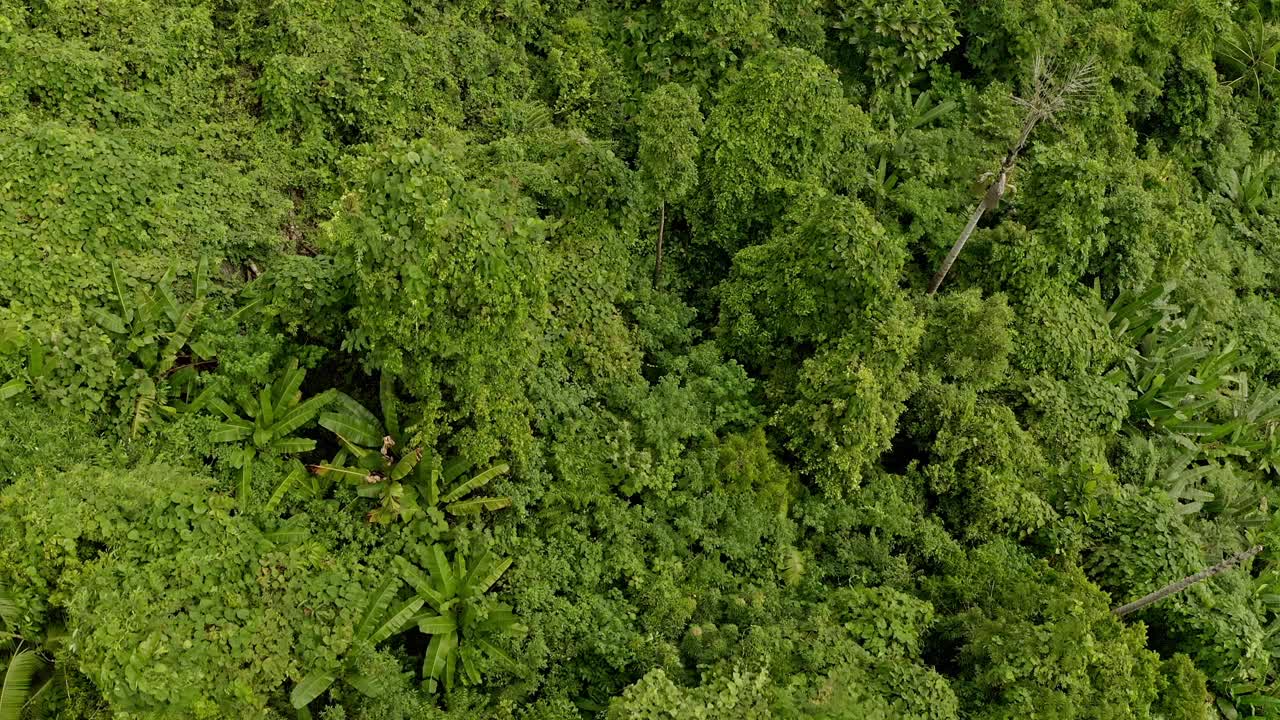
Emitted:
<point x="269" y="420"/>
<point x="378" y="456"/>
<point x="1176" y="381"/>
<point x="1176" y="386"/>
<point x="1193" y="393"/>
<point x="159" y="346"/>
<point x="919" y="112"/>
<point x="1256" y="186"/>
<point x="462" y="618"/>
<point x="381" y="619"/>
<point x="1198" y="402"/>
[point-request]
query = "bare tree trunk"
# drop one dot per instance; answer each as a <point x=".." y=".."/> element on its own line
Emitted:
<point x="1186" y="582"/>
<point x="662" y="224"/>
<point x="941" y="275"/>
<point x="990" y="201"/>
<point x="1050" y="96"/>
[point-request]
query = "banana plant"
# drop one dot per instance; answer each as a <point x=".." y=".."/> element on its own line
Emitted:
<point x="158" y="342"/>
<point x="1190" y="391"/>
<point x="268" y="422"/>
<point x="462" y="618"/>
<point x="34" y="370"/>
<point x="26" y="673"/>
<point x="919" y="112"/>
<point x="378" y="455"/>
<point x="1253" y="187"/>
<point x="1135" y="315"/>
<point x="381" y="619"/>
<point x="1175" y="380"/>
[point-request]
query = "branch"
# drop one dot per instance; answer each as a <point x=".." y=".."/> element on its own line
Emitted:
<point x="1186" y="582"/>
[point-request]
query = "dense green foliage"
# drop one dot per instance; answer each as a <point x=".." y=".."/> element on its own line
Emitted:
<point x="342" y="375"/>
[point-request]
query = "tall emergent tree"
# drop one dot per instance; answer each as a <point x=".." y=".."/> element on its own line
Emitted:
<point x="670" y="123"/>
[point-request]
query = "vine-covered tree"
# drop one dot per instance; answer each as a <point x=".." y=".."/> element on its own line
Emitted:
<point x="669" y="126"/>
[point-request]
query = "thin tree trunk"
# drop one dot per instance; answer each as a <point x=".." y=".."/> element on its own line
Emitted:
<point x="1186" y="582"/>
<point x="941" y="275"/>
<point x="662" y="224"/>
<point x="1048" y="98"/>
<point x="1025" y="134"/>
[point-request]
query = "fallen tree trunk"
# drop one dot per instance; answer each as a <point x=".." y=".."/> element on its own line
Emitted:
<point x="1186" y="582"/>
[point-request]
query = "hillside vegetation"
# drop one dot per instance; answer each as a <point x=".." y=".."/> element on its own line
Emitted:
<point x="618" y="360"/>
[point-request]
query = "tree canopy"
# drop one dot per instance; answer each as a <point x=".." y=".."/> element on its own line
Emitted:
<point x="387" y="359"/>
